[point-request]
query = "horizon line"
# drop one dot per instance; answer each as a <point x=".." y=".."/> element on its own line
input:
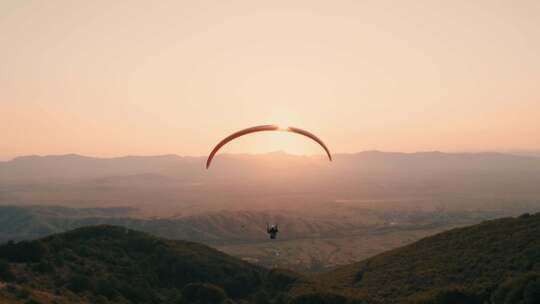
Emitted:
<point x="516" y="152"/>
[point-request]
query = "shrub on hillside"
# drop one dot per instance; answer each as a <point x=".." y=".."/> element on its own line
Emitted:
<point x="522" y="289"/>
<point x="241" y="284"/>
<point x="43" y="267"/>
<point x="78" y="283"/>
<point x="5" y="272"/>
<point x="203" y="293"/>
<point x="446" y="296"/>
<point x="22" y="252"/>
<point x="531" y="294"/>
<point x="282" y="279"/>
<point x="320" y="298"/>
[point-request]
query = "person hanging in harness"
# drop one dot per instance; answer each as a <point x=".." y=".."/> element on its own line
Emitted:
<point x="272" y="230"/>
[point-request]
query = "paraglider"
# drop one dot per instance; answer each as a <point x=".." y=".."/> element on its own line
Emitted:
<point x="263" y="129"/>
<point x="272" y="230"/>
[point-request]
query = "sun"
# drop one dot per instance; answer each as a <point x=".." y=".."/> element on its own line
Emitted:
<point x="266" y="142"/>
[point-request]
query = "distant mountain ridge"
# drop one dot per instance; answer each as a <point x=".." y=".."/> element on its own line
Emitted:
<point x="73" y="166"/>
<point x="177" y="183"/>
<point x="83" y="167"/>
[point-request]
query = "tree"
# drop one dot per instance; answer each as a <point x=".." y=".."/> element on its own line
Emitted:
<point x="5" y="272"/>
<point x="320" y="298"/>
<point x="22" y="252"/>
<point x="531" y="294"/>
<point x="203" y="293"/>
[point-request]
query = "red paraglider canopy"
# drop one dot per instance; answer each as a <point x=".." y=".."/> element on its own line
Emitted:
<point x="262" y="129"/>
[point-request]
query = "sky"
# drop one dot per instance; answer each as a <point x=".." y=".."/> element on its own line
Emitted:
<point x="113" y="78"/>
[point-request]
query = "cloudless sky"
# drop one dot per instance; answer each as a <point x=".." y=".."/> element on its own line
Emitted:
<point x="109" y="78"/>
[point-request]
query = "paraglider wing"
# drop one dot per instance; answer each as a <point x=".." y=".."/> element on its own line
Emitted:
<point x="312" y="136"/>
<point x="236" y="135"/>
<point x="262" y="129"/>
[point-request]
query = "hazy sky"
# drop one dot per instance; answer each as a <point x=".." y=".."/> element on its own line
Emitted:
<point x="109" y="78"/>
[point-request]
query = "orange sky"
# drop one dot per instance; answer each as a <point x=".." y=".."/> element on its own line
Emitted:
<point x="108" y="78"/>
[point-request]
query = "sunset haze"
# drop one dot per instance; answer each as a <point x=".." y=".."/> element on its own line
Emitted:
<point x="112" y="78"/>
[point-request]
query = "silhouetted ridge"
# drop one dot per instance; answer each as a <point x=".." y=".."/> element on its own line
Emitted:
<point x="125" y="266"/>
<point x="483" y="263"/>
<point x="494" y="262"/>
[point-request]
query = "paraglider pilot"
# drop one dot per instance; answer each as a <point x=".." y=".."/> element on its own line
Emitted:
<point x="272" y="230"/>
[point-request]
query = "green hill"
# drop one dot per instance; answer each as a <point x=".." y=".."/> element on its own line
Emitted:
<point x="107" y="264"/>
<point x="496" y="261"/>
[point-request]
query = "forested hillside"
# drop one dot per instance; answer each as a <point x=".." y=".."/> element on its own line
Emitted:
<point x="497" y="261"/>
<point x="104" y="264"/>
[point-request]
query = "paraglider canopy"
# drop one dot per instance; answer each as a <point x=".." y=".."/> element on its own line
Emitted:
<point x="263" y="129"/>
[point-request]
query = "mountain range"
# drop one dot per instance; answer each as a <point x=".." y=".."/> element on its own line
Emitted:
<point x="169" y="185"/>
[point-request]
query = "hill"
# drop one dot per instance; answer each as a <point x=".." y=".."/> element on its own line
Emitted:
<point x="497" y="261"/>
<point x="107" y="264"/>
<point x="307" y="243"/>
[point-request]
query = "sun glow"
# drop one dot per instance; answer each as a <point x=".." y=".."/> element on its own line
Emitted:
<point x="189" y="72"/>
<point x="283" y="118"/>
